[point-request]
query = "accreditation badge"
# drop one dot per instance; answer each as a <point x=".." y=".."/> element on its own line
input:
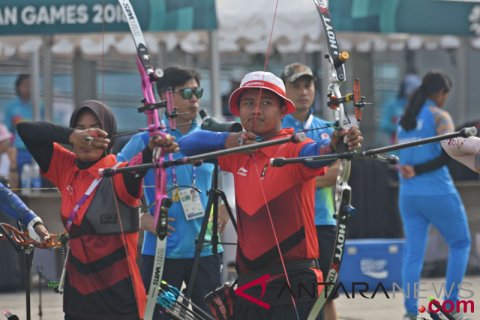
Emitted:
<point x="191" y="203"/>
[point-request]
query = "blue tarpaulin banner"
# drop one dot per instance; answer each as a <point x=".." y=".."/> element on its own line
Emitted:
<point x="435" y="17"/>
<point x="21" y="17"/>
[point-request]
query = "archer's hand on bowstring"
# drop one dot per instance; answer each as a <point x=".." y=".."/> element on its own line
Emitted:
<point x="236" y="139"/>
<point x="167" y="143"/>
<point x="353" y="136"/>
<point x="92" y="138"/>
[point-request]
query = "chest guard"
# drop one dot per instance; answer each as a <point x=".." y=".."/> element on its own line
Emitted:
<point x="101" y="216"/>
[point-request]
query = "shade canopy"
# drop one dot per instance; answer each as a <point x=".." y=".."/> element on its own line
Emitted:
<point x="242" y="26"/>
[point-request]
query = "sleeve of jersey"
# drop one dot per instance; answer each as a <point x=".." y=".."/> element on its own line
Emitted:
<point x="304" y="171"/>
<point x="62" y="161"/>
<point x="122" y="191"/>
<point x="316" y="149"/>
<point x="135" y="145"/>
<point x="134" y="148"/>
<point x="202" y="141"/>
<point x="12" y="205"/>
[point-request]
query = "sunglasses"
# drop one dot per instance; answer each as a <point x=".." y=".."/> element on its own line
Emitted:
<point x="187" y="93"/>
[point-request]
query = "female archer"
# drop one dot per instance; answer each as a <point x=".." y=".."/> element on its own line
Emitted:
<point x="428" y="196"/>
<point x="100" y="214"/>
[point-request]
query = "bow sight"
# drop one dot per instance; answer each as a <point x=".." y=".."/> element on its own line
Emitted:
<point x="358" y="100"/>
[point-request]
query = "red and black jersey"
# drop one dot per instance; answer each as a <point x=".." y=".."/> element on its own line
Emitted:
<point x="289" y="193"/>
<point x="102" y="279"/>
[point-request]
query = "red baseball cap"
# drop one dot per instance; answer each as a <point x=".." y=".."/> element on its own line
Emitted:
<point x="260" y="80"/>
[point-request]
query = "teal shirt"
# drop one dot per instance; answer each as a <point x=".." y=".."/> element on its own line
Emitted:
<point x="15" y="111"/>
<point x="324" y="202"/>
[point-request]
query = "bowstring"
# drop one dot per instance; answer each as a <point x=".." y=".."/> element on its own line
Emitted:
<point x="257" y="108"/>
<point x="327" y="126"/>
<point x="120" y="222"/>
<point x="277" y="243"/>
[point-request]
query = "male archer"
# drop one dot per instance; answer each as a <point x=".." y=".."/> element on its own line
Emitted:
<point x="274" y="206"/>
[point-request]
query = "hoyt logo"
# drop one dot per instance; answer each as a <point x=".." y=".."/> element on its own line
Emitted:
<point x="331" y="35"/>
<point x="341" y="239"/>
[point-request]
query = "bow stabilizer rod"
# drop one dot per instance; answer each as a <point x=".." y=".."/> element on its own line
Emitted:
<point x="465" y="132"/>
<point x="295" y="138"/>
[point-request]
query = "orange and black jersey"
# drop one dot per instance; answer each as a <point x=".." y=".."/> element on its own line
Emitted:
<point x="102" y="279"/>
<point x="288" y="192"/>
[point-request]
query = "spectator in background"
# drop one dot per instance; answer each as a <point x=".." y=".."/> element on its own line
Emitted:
<point x="427" y="193"/>
<point x="8" y="166"/>
<point x="19" y="110"/>
<point x="393" y="110"/>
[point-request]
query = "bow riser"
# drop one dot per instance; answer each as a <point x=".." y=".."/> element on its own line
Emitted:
<point x="337" y="75"/>
<point x="22" y="240"/>
<point x="149" y="75"/>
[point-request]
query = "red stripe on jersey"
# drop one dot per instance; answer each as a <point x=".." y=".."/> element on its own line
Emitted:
<point x="101" y="280"/>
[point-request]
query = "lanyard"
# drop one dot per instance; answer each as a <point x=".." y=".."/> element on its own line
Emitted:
<point x="82" y="200"/>
<point x="308" y="123"/>
<point x="175" y="179"/>
<point x="194" y="169"/>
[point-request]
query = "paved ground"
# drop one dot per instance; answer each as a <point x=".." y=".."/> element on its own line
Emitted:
<point x="349" y="308"/>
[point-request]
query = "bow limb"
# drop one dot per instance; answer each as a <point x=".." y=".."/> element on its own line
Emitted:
<point x="337" y="75"/>
<point x="148" y="76"/>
